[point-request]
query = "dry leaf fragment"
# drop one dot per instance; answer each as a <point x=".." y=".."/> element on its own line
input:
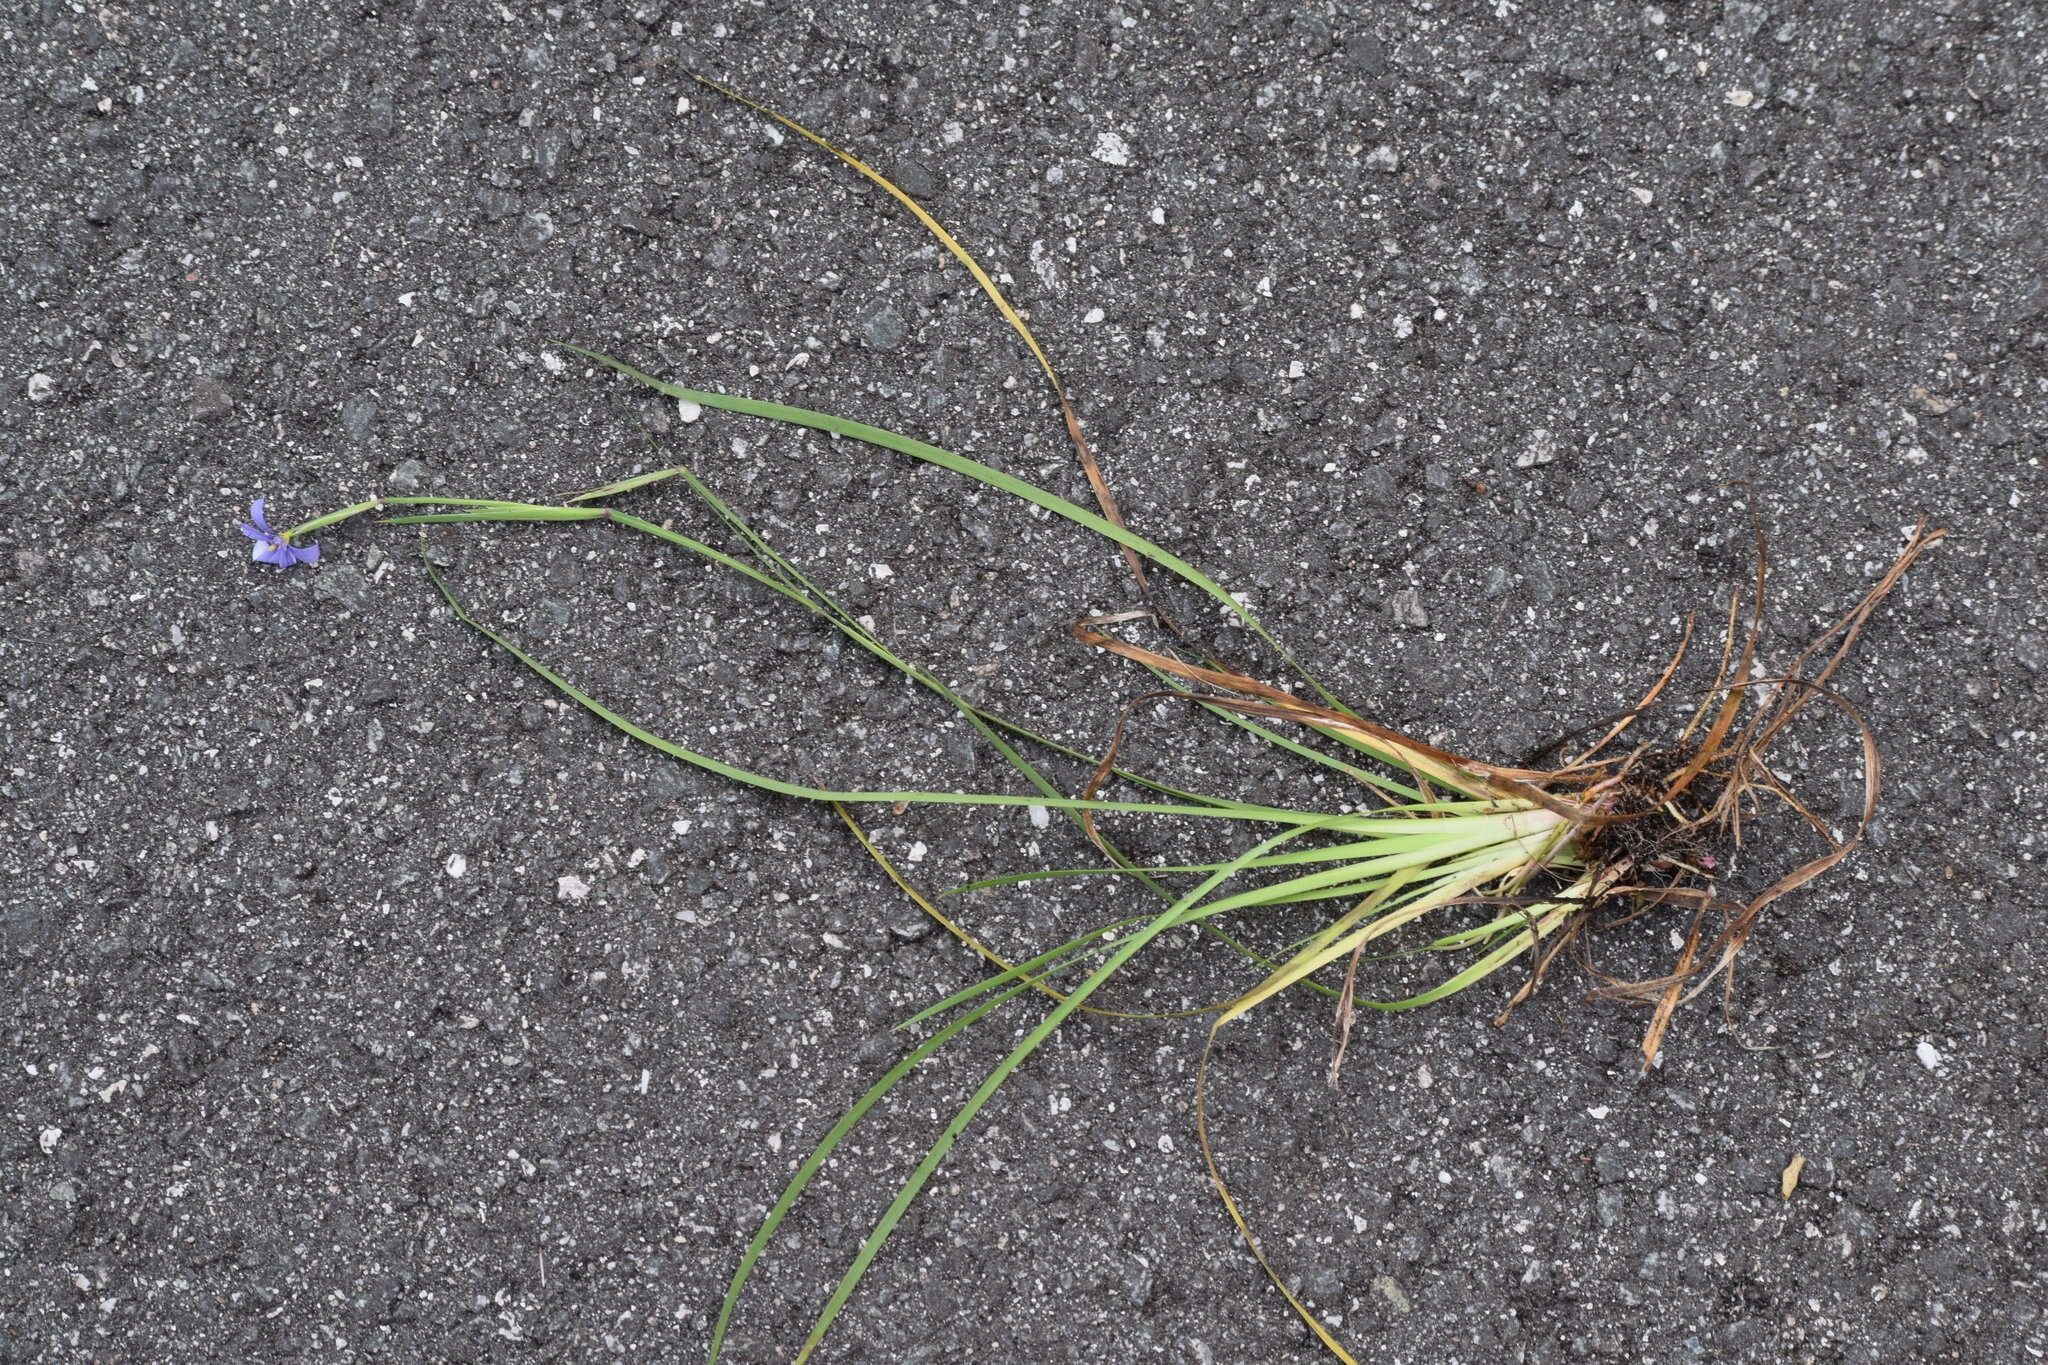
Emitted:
<point x="1789" y="1181"/>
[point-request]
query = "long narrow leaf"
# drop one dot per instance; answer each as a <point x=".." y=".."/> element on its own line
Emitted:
<point x="815" y="1162"/>
<point x="946" y="459"/>
<point x="965" y="1116"/>
<point x="1268" y="815"/>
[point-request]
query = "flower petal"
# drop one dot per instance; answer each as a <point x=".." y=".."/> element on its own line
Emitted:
<point x="303" y="554"/>
<point x="256" y="515"/>
<point x="255" y="534"/>
<point x="270" y="551"/>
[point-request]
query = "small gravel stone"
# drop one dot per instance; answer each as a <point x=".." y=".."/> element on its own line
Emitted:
<point x="1111" y="150"/>
<point x="914" y="178"/>
<point x="1607" y="1206"/>
<point x="211" y="399"/>
<point x="1541" y="448"/>
<point x="1742" y="19"/>
<point x="1378" y="486"/>
<point x="536" y="230"/>
<point x="356" y="416"/>
<point x="1323" y="1285"/>
<point x="1138" y="1283"/>
<point x="343" y="586"/>
<point x="1406" y="608"/>
<point x="884" y="329"/>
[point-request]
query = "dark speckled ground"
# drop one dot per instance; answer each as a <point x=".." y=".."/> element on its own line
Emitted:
<point x="1460" y="310"/>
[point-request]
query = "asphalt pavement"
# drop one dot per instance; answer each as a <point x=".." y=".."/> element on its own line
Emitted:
<point x="367" y="1002"/>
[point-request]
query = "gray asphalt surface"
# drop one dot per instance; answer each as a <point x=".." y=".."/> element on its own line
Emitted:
<point x="365" y="1004"/>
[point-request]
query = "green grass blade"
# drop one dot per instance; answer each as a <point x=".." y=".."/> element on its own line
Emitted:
<point x="965" y="1116"/>
<point x="625" y="485"/>
<point x="341" y="514"/>
<point x="1264" y="814"/>
<point x="815" y="1162"/>
<point x="1360" y="878"/>
<point x="1518" y="943"/>
<point x="807" y="594"/>
<point x="1429" y="835"/>
<point x="946" y="459"/>
<point x="1362" y="775"/>
<point x="1095" y="942"/>
<point x="1279" y="741"/>
<point x="799" y="589"/>
<point x="504" y="512"/>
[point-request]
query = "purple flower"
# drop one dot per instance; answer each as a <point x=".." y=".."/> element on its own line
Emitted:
<point x="272" y="548"/>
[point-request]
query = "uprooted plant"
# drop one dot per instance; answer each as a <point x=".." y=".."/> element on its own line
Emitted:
<point x="1537" y="855"/>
